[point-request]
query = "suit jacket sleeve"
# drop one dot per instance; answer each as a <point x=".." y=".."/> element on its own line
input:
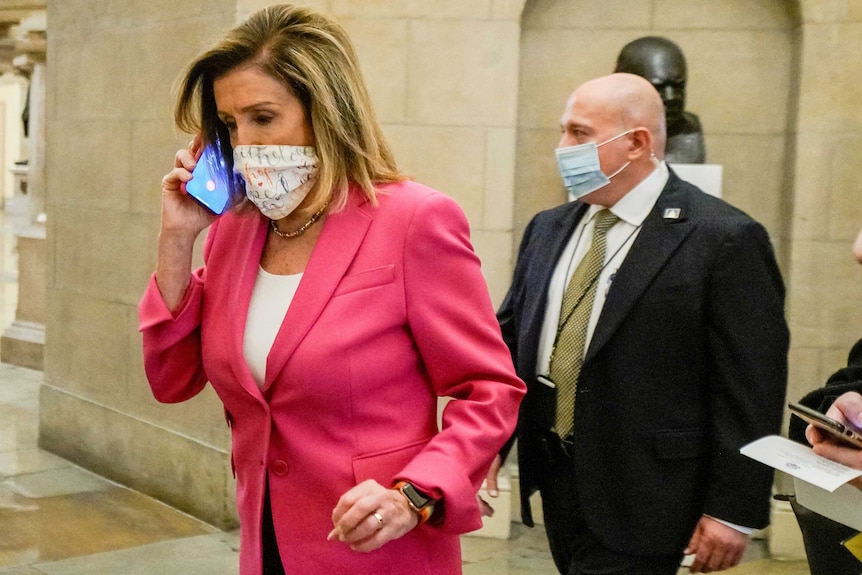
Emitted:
<point x="748" y="341"/>
<point x="172" y="341"/>
<point x="508" y="321"/>
<point x="450" y="313"/>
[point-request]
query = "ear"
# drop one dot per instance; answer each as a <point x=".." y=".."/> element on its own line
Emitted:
<point x="641" y="143"/>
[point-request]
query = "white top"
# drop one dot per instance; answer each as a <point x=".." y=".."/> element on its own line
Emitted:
<point x="632" y="210"/>
<point x="270" y="299"/>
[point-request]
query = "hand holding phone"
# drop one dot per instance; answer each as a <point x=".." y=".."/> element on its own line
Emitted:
<point x="209" y="184"/>
<point x="834" y="428"/>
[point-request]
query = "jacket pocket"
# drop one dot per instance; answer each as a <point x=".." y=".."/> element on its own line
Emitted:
<point x="680" y="444"/>
<point x="383" y="465"/>
<point x="365" y="280"/>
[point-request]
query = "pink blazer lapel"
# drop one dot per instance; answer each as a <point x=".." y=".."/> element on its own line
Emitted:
<point x="247" y="263"/>
<point x="339" y="241"/>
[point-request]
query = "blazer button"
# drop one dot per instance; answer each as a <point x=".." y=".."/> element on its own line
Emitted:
<point x="279" y="467"/>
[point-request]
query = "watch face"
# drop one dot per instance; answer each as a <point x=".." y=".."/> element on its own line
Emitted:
<point x="414" y="496"/>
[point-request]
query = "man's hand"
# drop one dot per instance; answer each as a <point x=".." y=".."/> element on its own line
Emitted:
<point x="716" y="546"/>
<point x="491" y="487"/>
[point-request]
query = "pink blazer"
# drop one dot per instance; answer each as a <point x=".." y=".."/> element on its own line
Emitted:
<point x="391" y="313"/>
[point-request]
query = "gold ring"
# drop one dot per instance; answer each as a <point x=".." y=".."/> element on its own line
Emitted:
<point x="379" y="519"/>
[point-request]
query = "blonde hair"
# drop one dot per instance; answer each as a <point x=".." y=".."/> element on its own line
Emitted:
<point x="313" y="57"/>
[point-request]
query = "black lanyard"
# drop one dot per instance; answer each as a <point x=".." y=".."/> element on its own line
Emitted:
<point x="561" y="325"/>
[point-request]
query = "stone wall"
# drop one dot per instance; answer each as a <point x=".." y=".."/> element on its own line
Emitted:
<point x="111" y="67"/>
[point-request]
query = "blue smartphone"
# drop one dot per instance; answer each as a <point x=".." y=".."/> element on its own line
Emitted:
<point x="209" y="184"/>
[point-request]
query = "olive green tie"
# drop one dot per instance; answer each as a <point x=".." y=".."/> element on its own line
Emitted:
<point x="568" y="354"/>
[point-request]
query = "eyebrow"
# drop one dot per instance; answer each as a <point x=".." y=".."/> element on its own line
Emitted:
<point x="573" y="124"/>
<point x="249" y="108"/>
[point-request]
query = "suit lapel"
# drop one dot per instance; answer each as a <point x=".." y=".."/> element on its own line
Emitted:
<point x="339" y="241"/>
<point x="663" y="231"/>
<point x="544" y="258"/>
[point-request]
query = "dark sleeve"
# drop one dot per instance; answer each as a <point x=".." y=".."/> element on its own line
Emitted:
<point x="748" y="344"/>
<point x="845" y="379"/>
<point x="507" y="317"/>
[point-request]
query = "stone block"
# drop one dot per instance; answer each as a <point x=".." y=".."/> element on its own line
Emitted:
<point x="829" y="95"/>
<point x="727" y="14"/>
<point x="754" y="170"/>
<point x="589" y="14"/>
<point x="538" y="185"/>
<point x="23" y="345"/>
<point x="499" y="194"/>
<point x="382" y="49"/>
<point x="497" y="261"/>
<point x="450" y="159"/>
<point x="739" y="81"/>
<point x="23" y="342"/>
<point x="463" y="73"/>
<point x="550" y="71"/>
<point x="186" y="474"/>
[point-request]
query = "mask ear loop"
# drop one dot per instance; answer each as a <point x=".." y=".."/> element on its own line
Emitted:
<point x="626" y="165"/>
<point x="618" y="136"/>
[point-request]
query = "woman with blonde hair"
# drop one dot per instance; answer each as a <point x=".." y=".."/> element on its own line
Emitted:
<point x="337" y="302"/>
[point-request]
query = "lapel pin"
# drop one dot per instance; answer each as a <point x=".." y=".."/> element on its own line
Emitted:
<point x="671" y="214"/>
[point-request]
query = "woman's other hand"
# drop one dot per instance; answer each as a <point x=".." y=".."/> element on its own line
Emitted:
<point x="369" y="515"/>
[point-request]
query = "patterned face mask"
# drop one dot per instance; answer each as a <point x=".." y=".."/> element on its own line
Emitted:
<point x="277" y="178"/>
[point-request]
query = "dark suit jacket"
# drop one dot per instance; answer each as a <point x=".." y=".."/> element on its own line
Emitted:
<point x="687" y="364"/>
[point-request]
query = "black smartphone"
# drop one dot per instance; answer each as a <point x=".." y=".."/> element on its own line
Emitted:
<point x="209" y="184"/>
<point x="827" y="424"/>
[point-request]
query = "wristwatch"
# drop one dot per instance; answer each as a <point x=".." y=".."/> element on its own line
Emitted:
<point x="418" y="501"/>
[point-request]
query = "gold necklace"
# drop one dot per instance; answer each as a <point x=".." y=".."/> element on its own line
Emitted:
<point x="295" y="234"/>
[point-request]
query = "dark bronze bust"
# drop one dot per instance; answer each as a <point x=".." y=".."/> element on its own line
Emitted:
<point x="662" y="63"/>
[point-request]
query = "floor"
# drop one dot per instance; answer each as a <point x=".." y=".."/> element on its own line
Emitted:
<point x="59" y="519"/>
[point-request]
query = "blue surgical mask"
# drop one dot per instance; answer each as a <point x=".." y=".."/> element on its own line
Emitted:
<point x="580" y="168"/>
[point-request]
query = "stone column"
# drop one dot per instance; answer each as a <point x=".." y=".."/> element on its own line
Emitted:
<point x="23" y="341"/>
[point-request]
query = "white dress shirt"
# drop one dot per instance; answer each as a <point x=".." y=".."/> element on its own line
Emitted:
<point x="631" y="210"/>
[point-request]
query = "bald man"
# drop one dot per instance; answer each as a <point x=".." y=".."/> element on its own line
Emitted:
<point x="671" y="340"/>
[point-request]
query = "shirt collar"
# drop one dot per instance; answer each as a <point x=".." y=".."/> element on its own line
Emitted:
<point x="634" y="207"/>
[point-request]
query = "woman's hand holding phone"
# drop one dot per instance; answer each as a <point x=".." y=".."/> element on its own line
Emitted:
<point x="835" y="429"/>
<point x="846" y="410"/>
<point x="181" y="214"/>
<point x="210" y="183"/>
<point x="183" y="219"/>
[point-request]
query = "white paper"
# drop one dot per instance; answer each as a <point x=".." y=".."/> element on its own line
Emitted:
<point x="842" y="505"/>
<point x="799" y="461"/>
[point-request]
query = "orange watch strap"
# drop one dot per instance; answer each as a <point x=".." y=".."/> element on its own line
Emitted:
<point x="424" y="511"/>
